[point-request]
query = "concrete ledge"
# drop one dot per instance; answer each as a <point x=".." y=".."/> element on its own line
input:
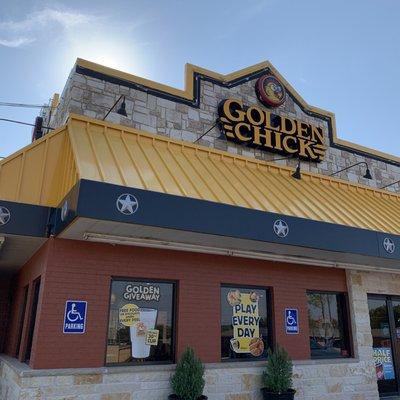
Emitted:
<point x="23" y="370"/>
<point x="327" y="361"/>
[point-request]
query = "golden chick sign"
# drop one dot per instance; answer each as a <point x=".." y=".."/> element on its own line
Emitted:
<point x="261" y="128"/>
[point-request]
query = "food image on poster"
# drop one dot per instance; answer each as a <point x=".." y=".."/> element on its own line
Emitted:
<point x="383" y="363"/>
<point x="256" y="346"/>
<point x="234" y="297"/>
<point x="245" y="322"/>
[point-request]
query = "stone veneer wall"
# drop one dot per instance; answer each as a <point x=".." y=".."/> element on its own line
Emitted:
<point x="314" y="381"/>
<point x="341" y="379"/>
<point x="93" y="98"/>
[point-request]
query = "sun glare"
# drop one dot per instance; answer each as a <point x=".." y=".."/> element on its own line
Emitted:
<point x="107" y="52"/>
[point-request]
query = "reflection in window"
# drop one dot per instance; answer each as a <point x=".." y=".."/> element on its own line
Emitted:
<point x="328" y="325"/>
<point x="140" y="322"/>
<point x="379" y="319"/>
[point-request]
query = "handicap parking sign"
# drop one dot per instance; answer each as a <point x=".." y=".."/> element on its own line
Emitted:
<point x="291" y="321"/>
<point x="75" y="316"/>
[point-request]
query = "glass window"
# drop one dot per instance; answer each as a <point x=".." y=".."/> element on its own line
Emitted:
<point x="244" y="329"/>
<point x="382" y="342"/>
<point x="140" y="328"/>
<point x="328" y="326"/>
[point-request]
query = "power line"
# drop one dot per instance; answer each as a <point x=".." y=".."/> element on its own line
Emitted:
<point x="205" y="133"/>
<point x="23" y="105"/>
<point x="23" y="123"/>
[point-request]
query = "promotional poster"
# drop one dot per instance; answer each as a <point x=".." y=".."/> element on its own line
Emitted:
<point x="140" y="322"/>
<point x="383" y="363"/>
<point x="245" y="322"/>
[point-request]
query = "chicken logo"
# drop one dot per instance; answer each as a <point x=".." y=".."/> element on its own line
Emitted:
<point x="270" y="91"/>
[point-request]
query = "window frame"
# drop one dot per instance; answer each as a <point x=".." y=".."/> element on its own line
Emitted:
<point x="270" y="317"/>
<point x="21" y="321"/>
<point x="344" y="308"/>
<point x="175" y="288"/>
<point x="34" y="292"/>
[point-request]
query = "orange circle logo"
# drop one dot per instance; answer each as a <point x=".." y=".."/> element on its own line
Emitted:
<point x="270" y="91"/>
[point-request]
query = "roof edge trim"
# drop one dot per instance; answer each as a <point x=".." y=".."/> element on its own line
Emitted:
<point x="188" y="93"/>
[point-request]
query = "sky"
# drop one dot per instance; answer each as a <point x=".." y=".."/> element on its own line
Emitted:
<point x="341" y="56"/>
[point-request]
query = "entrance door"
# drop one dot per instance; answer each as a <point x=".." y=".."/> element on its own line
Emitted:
<point x="384" y="312"/>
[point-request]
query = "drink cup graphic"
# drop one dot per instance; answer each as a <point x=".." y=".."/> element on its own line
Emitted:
<point x="148" y="317"/>
<point x="379" y="371"/>
<point x="235" y="345"/>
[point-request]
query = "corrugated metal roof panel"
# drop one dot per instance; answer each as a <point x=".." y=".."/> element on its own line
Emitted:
<point x="91" y="149"/>
<point x="41" y="173"/>
<point x="125" y="156"/>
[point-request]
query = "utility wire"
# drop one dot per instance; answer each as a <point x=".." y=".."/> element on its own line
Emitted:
<point x="23" y="123"/>
<point x="108" y="112"/>
<point x="205" y="133"/>
<point x="390" y="184"/>
<point x="4" y="104"/>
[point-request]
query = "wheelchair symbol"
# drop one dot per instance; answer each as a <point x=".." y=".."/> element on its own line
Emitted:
<point x="73" y="315"/>
<point x="290" y="320"/>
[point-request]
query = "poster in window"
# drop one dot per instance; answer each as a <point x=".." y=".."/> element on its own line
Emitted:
<point x="383" y="363"/>
<point x="140" y="326"/>
<point x="246" y="332"/>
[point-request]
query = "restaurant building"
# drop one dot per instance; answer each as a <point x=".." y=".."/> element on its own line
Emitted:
<point x="218" y="217"/>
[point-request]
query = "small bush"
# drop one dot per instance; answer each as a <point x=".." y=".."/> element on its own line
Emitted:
<point x="279" y="371"/>
<point x="188" y="381"/>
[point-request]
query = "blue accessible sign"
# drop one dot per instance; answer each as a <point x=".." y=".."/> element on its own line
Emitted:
<point x="75" y="316"/>
<point x="291" y="321"/>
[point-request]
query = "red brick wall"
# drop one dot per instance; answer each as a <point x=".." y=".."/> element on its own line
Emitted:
<point x="32" y="270"/>
<point x="82" y="271"/>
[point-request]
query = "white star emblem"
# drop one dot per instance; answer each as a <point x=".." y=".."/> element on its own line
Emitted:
<point x="64" y="211"/>
<point x="281" y="228"/>
<point x="389" y="245"/>
<point x="5" y="215"/>
<point x="127" y="204"/>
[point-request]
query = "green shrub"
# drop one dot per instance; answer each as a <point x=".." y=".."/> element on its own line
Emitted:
<point x="279" y="371"/>
<point x="188" y="382"/>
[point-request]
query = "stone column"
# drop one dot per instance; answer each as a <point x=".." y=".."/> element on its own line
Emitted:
<point x="361" y="327"/>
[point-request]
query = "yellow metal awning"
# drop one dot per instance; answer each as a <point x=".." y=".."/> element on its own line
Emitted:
<point x="43" y="173"/>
